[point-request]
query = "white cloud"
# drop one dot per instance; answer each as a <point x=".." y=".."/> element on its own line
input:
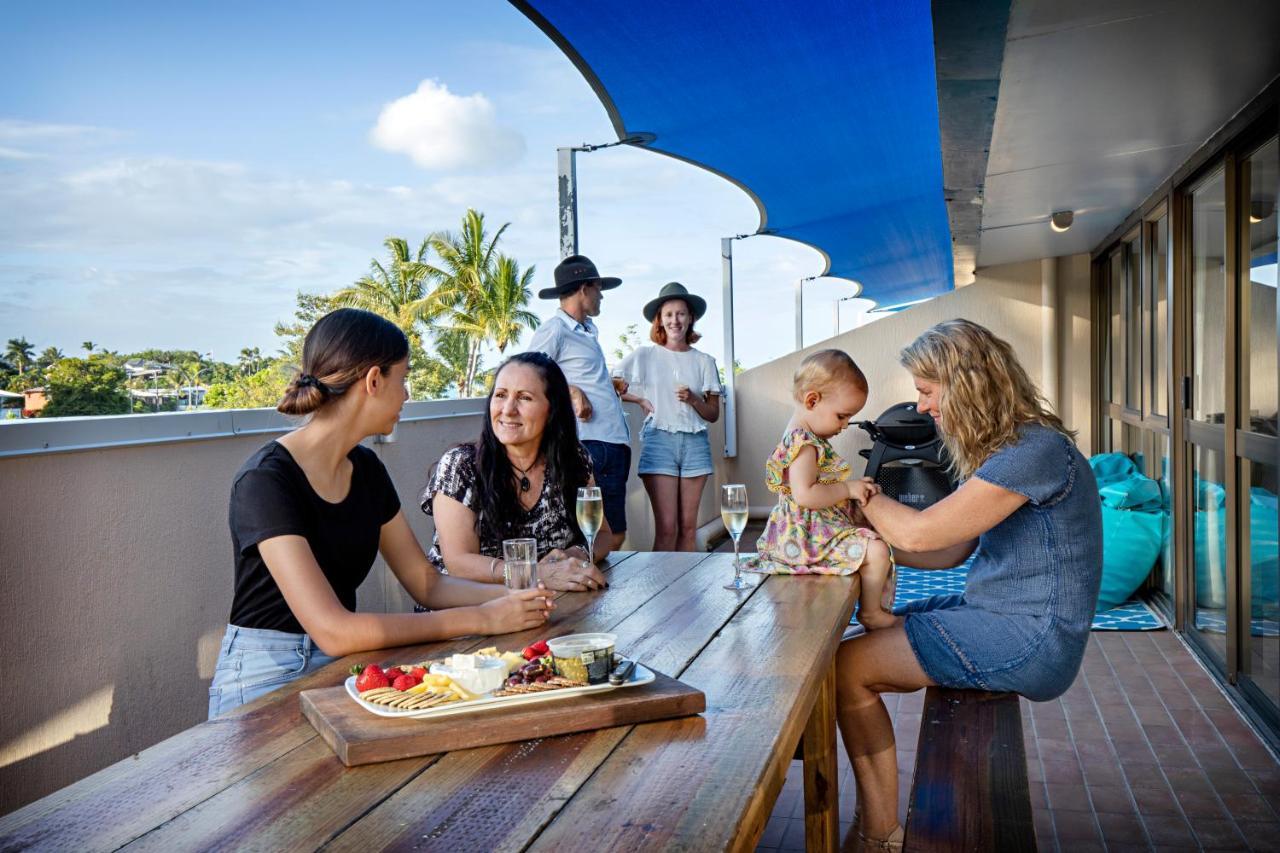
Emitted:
<point x="441" y="130"/>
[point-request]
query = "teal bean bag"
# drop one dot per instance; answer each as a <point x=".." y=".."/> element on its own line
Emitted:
<point x="1134" y="523"/>
<point x="1210" y="538"/>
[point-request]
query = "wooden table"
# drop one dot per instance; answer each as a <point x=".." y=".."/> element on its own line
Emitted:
<point x="260" y="777"/>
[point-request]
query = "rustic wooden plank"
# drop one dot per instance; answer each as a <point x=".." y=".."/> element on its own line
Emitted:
<point x="970" y="788"/>
<point x="821" y="776"/>
<point x="709" y="782"/>
<point x="498" y="798"/>
<point x="120" y="802"/>
<point x="263" y="801"/>
<point x="359" y="737"/>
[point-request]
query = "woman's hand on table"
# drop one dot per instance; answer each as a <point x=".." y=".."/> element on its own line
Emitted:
<point x="570" y="571"/>
<point x="518" y="610"/>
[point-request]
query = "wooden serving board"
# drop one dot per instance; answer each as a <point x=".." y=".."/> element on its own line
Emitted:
<point x="359" y="737"/>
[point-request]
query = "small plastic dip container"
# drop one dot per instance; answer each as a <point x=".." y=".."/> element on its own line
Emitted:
<point x="584" y="657"/>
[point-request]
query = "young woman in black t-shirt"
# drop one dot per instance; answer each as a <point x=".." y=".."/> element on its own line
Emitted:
<point x="310" y="512"/>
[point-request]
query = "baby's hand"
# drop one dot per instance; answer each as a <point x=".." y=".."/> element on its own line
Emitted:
<point x="861" y="491"/>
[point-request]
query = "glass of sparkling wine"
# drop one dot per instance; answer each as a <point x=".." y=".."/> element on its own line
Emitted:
<point x="590" y="517"/>
<point x="519" y="556"/>
<point x="733" y="510"/>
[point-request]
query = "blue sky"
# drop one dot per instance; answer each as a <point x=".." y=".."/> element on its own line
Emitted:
<point x="171" y="175"/>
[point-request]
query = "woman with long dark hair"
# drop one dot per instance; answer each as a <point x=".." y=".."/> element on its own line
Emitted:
<point x="311" y="510"/>
<point x="520" y="479"/>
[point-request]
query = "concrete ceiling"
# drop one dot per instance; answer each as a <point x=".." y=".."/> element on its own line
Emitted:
<point x="1099" y="102"/>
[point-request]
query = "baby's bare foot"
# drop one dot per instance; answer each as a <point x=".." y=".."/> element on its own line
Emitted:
<point x="876" y="619"/>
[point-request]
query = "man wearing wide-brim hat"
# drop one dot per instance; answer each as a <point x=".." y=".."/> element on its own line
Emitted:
<point x="571" y="339"/>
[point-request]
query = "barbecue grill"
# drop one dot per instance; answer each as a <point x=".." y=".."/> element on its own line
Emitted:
<point x="907" y="459"/>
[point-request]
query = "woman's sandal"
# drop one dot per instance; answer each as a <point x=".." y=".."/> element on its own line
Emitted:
<point x="892" y="844"/>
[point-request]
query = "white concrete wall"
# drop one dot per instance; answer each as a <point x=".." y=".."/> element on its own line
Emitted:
<point x="1008" y="299"/>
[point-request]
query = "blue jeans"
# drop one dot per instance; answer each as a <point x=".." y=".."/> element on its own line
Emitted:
<point x="675" y="454"/>
<point x="254" y="661"/>
<point x="611" y="464"/>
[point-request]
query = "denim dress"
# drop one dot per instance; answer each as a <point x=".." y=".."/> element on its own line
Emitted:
<point x="1023" y="621"/>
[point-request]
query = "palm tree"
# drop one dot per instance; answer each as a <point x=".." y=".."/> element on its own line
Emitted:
<point x="249" y="360"/>
<point x="49" y="357"/>
<point x="498" y="313"/>
<point x="20" y="354"/>
<point x="467" y="262"/>
<point x="400" y="291"/>
<point x="88" y="346"/>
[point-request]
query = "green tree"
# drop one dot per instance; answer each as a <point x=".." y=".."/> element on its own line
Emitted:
<point x="446" y="367"/>
<point x="310" y="308"/>
<point x="20" y="354"/>
<point x="400" y="291"/>
<point x="88" y="346"/>
<point x="86" y="386"/>
<point x="250" y="360"/>
<point x="48" y="357"/>
<point x="467" y="262"/>
<point x="498" y="314"/>
<point x="628" y="342"/>
<point x="263" y="389"/>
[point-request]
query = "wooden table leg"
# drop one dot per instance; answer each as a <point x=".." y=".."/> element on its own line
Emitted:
<point x="821" y="780"/>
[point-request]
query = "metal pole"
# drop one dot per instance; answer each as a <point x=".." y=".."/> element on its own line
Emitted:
<point x="730" y="400"/>
<point x="566" y="159"/>
<point x="836" y="333"/>
<point x="800" y="315"/>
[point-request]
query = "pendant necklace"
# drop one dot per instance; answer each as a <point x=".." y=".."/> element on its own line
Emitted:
<point x="524" y="474"/>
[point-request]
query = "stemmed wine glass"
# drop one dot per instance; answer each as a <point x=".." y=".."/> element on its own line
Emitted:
<point x="590" y="517"/>
<point x="733" y="509"/>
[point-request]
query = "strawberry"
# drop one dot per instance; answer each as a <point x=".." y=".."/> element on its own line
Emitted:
<point x="404" y="682"/>
<point x="418" y="672"/>
<point x="529" y="653"/>
<point x="370" y="678"/>
<point x="541" y="648"/>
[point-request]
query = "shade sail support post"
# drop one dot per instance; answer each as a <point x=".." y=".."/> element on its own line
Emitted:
<point x="730" y="399"/>
<point x="567" y="182"/>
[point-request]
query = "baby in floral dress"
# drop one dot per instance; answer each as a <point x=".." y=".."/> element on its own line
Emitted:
<point x="817" y="526"/>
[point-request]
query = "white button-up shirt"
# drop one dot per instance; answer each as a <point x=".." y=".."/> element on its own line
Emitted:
<point x="576" y="348"/>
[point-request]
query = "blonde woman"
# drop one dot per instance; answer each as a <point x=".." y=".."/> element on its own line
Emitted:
<point x="1029" y="504"/>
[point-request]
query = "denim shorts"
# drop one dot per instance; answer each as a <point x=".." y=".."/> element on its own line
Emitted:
<point x="611" y="464"/>
<point x="254" y="661"/>
<point x="676" y="454"/>
<point x="962" y="646"/>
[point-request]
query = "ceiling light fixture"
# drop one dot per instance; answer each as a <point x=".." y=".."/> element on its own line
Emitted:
<point x="1061" y="220"/>
<point x="1260" y="210"/>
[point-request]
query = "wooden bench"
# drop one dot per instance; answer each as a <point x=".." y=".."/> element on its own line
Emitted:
<point x="970" y="787"/>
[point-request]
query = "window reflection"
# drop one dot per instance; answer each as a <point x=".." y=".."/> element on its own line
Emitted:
<point x="1208" y="300"/>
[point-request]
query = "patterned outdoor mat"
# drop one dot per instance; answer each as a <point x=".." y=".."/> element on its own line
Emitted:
<point x="913" y="584"/>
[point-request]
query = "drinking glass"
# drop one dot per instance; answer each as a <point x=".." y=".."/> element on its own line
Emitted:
<point x="733" y="510"/>
<point x="519" y="557"/>
<point x="590" y="517"/>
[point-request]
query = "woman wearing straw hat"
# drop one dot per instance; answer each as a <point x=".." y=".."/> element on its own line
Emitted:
<point x="679" y="389"/>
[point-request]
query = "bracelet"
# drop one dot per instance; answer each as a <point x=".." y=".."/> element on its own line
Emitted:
<point x="492" y="565"/>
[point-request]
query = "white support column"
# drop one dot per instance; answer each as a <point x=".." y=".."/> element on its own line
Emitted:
<point x="566" y="159"/>
<point x="730" y="398"/>
<point x="1049" y="330"/>
<point x="799" y="314"/>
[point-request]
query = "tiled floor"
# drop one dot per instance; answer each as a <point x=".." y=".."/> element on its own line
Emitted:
<point x="1144" y="752"/>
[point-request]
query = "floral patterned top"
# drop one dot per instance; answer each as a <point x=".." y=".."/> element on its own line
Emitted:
<point x="801" y="541"/>
<point x="548" y="520"/>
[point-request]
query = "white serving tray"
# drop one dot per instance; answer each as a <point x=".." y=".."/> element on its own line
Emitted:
<point x="640" y="675"/>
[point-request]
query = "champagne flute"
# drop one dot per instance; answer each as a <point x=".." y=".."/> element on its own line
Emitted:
<point x="733" y="510"/>
<point x="590" y="517"/>
<point x="519" y="556"/>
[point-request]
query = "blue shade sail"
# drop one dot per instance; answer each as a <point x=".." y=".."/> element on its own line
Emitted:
<point x="825" y="112"/>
